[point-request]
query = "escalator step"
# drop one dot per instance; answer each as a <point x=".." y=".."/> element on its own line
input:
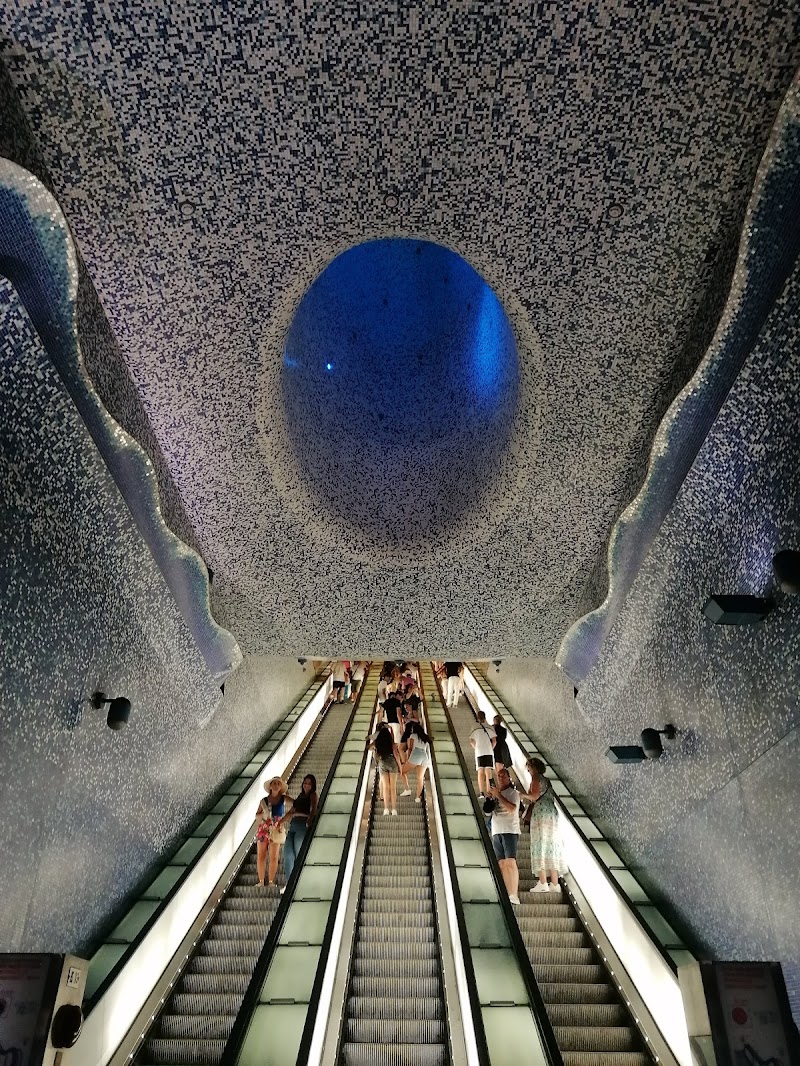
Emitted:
<point x="388" y="987"/>
<point x="549" y="925"/>
<point x="377" y="1007"/>
<point x="400" y="879"/>
<point x="578" y="974"/>
<point x="394" y="950"/>
<point x="555" y="956"/>
<point x="593" y="1014"/>
<point x="572" y="992"/>
<point x="422" y="920"/>
<point x="404" y="968"/>
<point x="606" y="1058"/>
<point x="216" y="946"/>
<point x="183" y="1052"/>
<point x="388" y="1031"/>
<point x="221" y="964"/>
<point x="393" y="893"/>
<point x="394" y="1055"/>
<point x="565" y="941"/>
<point x="193" y="1027"/>
<point x="387" y="904"/>
<point x="214" y="983"/>
<point x="596" y="1038"/>
<point x="206" y="1003"/>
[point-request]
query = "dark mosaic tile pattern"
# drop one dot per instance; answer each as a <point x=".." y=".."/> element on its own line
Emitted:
<point x="213" y="161"/>
<point x="86" y="812"/>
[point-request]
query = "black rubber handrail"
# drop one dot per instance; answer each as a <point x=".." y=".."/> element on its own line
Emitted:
<point x="469" y="969"/>
<point x="132" y="945"/>
<point x="620" y="891"/>
<point x="235" y="1041"/>
<point x="319" y="977"/>
<point x="543" y="1024"/>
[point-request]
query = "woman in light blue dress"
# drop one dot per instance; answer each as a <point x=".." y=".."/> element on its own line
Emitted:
<point x="542" y="816"/>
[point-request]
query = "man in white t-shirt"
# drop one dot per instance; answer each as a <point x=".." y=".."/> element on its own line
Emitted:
<point x="483" y="739"/>
<point x="339" y="676"/>
<point x="506" y="830"/>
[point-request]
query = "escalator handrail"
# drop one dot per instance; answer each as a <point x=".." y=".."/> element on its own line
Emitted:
<point x="472" y="984"/>
<point x="546" y="1032"/>
<point x="235" y="1041"/>
<point x="307" y="1037"/>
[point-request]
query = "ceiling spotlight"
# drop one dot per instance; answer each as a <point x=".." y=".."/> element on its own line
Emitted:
<point x="119" y="710"/>
<point x="737" y="610"/>
<point x="614" y="212"/>
<point x="391" y="200"/>
<point x="786" y="566"/>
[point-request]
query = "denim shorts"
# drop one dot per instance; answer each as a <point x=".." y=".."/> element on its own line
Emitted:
<point x="505" y="845"/>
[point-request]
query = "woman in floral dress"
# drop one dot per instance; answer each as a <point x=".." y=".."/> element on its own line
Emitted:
<point x="542" y="816"/>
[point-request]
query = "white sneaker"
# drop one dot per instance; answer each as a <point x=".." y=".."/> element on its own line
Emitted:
<point x="407" y="792"/>
<point x="418" y="799"/>
<point x="514" y="900"/>
<point x="394" y="813"/>
<point x="539" y="887"/>
<point x="386" y="815"/>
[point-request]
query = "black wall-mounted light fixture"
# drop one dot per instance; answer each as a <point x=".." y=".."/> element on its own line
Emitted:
<point x="651" y="746"/>
<point x="496" y="664"/>
<point x="303" y="664"/>
<point x="119" y="710"/>
<point x="737" y="610"/>
<point x="786" y="567"/>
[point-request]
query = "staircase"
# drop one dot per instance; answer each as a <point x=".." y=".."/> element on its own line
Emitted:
<point x="395" y="1013"/>
<point x="197" y="1019"/>
<point x="591" y="1025"/>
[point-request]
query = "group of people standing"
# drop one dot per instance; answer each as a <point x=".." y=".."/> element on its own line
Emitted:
<point x="283" y="821"/>
<point x="399" y="742"/>
<point x="346" y="679"/>
<point x="502" y="801"/>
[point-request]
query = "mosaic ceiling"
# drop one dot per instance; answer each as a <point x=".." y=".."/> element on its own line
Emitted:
<point x="592" y="162"/>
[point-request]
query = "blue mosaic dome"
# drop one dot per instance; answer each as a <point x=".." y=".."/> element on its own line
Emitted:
<point x="400" y="382"/>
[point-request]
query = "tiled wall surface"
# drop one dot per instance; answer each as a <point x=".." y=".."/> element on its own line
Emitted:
<point x="714" y="824"/>
<point x="85" y="811"/>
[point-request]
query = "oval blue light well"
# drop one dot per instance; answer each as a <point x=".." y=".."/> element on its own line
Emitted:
<point x="400" y="382"/>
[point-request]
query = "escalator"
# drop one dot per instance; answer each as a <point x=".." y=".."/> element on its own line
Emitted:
<point x="197" y="1019"/>
<point x="591" y="1024"/>
<point x="395" y="1005"/>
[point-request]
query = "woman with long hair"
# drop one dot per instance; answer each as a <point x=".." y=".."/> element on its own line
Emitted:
<point x="270" y="831"/>
<point x="303" y="810"/>
<point x="542" y="816"/>
<point x="502" y="756"/>
<point x="383" y="744"/>
<point x="416" y="740"/>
